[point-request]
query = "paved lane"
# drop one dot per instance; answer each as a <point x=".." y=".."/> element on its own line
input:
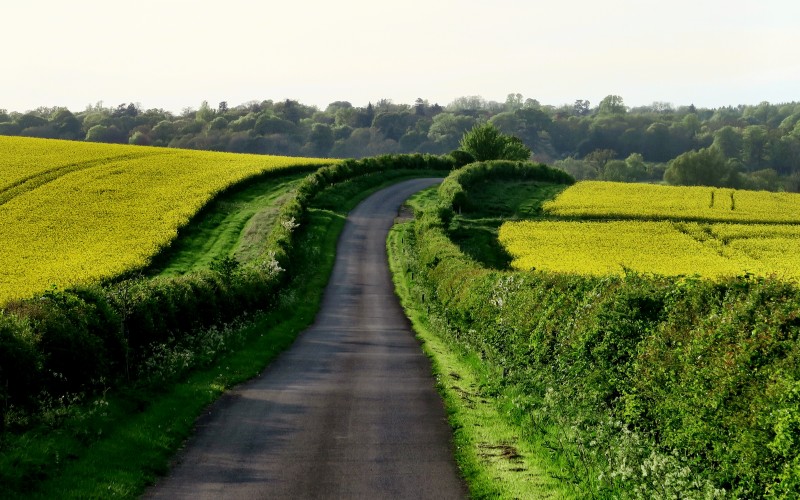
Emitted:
<point x="349" y="411"/>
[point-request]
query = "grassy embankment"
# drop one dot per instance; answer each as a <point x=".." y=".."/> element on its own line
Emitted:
<point x="121" y="442"/>
<point x="495" y="462"/>
<point x="633" y="386"/>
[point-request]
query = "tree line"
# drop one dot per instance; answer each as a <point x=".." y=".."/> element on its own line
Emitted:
<point x="755" y="147"/>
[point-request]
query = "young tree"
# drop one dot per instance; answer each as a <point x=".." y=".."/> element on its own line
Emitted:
<point x="707" y="167"/>
<point x="485" y="142"/>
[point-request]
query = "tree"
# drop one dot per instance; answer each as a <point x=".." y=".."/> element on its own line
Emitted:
<point x="612" y="105"/>
<point x="205" y="113"/>
<point x="321" y="139"/>
<point x="754" y="146"/>
<point x="485" y="142"/>
<point x="729" y="141"/>
<point x="513" y="102"/>
<point x="582" y="107"/>
<point x="163" y="132"/>
<point x="29" y="120"/>
<point x="706" y="167"/>
<point x="66" y="125"/>
<point x="101" y="133"/>
<point x="448" y="128"/>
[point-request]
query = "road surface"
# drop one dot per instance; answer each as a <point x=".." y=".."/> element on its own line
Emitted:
<point x="349" y="411"/>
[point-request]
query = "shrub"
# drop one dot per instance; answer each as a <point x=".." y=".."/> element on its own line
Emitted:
<point x="485" y="142"/>
<point x="653" y="385"/>
<point x="74" y="340"/>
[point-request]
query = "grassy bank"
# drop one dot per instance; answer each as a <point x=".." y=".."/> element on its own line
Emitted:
<point x="636" y="386"/>
<point x="495" y="462"/>
<point x="121" y="441"/>
<point x="236" y="225"/>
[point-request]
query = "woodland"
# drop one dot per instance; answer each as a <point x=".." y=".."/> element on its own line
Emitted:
<point x="745" y="146"/>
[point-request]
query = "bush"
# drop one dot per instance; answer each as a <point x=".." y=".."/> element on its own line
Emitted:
<point x="84" y="338"/>
<point x="20" y="363"/>
<point x="485" y="142"/>
<point x="462" y="157"/>
<point x="654" y="385"/>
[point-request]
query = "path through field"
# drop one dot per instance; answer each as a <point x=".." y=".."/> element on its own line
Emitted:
<point x="349" y="411"/>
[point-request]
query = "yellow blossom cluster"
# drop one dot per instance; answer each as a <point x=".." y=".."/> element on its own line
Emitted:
<point x="106" y="210"/>
<point x="671" y="248"/>
<point x="604" y="200"/>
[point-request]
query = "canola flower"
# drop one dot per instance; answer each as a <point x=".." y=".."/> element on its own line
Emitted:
<point x="616" y="200"/>
<point x="111" y="217"/>
<point x="667" y="248"/>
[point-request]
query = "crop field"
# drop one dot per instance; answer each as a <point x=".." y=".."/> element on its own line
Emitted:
<point x="72" y="212"/>
<point x="663" y="230"/>
<point x="615" y="200"/>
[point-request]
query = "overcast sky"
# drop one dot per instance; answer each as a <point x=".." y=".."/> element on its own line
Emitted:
<point x="174" y="54"/>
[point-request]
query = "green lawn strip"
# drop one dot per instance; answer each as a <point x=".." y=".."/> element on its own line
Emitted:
<point x="495" y="462"/>
<point x="235" y="225"/>
<point x="494" y="457"/>
<point x="512" y="199"/>
<point x="475" y="231"/>
<point x="138" y="445"/>
<point x="125" y="444"/>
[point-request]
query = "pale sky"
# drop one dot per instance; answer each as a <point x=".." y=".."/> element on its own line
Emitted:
<point x="174" y="54"/>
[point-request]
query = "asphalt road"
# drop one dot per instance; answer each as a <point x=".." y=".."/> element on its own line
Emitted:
<point x="349" y="411"/>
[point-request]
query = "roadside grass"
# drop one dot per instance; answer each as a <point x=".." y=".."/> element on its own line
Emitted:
<point x="512" y="199"/>
<point x="120" y="443"/>
<point x="475" y="231"/>
<point x="495" y="461"/>
<point x="236" y="225"/>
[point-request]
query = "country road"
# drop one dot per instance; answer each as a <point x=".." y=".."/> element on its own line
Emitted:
<point x="350" y="411"/>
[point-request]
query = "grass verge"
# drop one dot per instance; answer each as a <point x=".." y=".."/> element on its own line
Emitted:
<point x="475" y="231"/>
<point x="122" y="442"/>
<point x="237" y="225"/>
<point x="495" y="462"/>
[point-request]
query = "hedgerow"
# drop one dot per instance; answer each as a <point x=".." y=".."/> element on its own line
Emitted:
<point x="645" y="386"/>
<point x="89" y="338"/>
<point x="454" y="190"/>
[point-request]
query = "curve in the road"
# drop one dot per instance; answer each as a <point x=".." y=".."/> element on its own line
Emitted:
<point x="349" y="411"/>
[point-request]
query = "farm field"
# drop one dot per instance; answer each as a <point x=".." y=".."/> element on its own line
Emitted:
<point x="616" y="200"/>
<point x="664" y="230"/>
<point x="72" y="212"/>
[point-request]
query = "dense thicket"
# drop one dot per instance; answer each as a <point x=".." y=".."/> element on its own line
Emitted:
<point x="646" y="387"/>
<point x="759" y="145"/>
<point x="83" y="339"/>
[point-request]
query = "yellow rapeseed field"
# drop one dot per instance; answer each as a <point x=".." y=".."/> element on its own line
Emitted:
<point x="662" y="230"/>
<point x="601" y="248"/>
<point x="110" y="214"/>
<point x="615" y="200"/>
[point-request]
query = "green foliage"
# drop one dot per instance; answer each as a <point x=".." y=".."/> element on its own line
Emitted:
<point x="765" y="136"/>
<point x="645" y="386"/>
<point x="461" y="157"/>
<point x="485" y="142"/>
<point x="612" y="104"/>
<point x="706" y="167"/>
<point x="83" y="339"/>
<point x="165" y="323"/>
<point x="454" y="190"/>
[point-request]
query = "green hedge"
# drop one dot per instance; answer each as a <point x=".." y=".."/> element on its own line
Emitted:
<point x="90" y="338"/>
<point x="646" y="386"/>
<point x="454" y="191"/>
